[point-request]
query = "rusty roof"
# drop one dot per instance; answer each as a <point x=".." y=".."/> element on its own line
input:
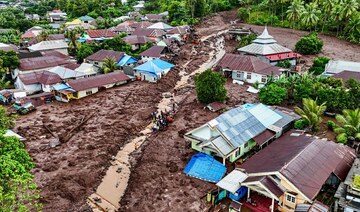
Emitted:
<point x="98" y="81"/>
<point x="99" y="33"/>
<point x="306" y="161"/>
<point x="263" y="137"/>
<point x="50" y="37"/>
<point x="72" y="66"/>
<point x="154" y="51"/>
<point x="103" y="54"/>
<point x="54" y="53"/>
<point x="149" y="32"/>
<point x="247" y="63"/>
<point x="45" y="77"/>
<point x="135" y="39"/>
<point x="142" y="24"/>
<point x="178" y="30"/>
<point x="154" y="17"/>
<point x="346" y="75"/>
<point x="41" y="62"/>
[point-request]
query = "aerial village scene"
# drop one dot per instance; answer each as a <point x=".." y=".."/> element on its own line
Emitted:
<point x="180" y="105"/>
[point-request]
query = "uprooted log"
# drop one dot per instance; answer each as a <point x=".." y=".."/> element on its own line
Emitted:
<point x="71" y="134"/>
<point x="55" y="141"/>
<point x="127" y="97"/>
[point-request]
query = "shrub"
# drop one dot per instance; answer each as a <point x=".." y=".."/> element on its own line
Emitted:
<point x="243" y="13"/>
<point x="284" y="64"/>
<point x="342" y="138"/>
<point x="300" y="124"/>
<point x="246" y="40"/>
<point x="318" y="66"/>
<point x="210" y="87"/>
<point x="309" y="44"/>
<point x="331" y="125"/>
<point x="357" y="181"/>
<point x="272" y="94"/>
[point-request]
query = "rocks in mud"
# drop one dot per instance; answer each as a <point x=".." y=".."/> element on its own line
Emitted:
<point x="172" y="167"/>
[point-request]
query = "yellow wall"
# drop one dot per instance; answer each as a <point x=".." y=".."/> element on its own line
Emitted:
<point x="299" y="199"/>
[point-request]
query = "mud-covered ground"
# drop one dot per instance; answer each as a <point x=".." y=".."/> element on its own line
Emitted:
<point x="69" y="173"/>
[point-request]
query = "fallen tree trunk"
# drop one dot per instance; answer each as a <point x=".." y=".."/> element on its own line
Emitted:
<point x="71" y="134"/>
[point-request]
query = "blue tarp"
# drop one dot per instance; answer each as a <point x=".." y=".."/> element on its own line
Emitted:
<point x="62" y="87"/>
<point x="126" y="60"/>
<point x="205" y="167"/>
<point x="240" y="193"/>
<point x="154" y="66"/>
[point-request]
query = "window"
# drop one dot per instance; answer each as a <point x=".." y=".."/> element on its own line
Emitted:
<point x="239" y="75"/>
<point x="238" y="152"/>
<point x="246" y="145"/>
<point x="88" y="92"/>
<point x="248" y="76"/>
<point x="290" y="198"/>
<point x="263" y="79"/>
<point x="96" y="63"/>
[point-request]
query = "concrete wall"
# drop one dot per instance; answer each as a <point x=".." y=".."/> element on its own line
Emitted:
<point x="95" y="63"/>
<point x="248" y="77"/>
<point x="147" y="58"/>
<point x="243" y="151"/>
<point x="81" y="94"/>
<point x="176" y="36"/>
<point x="30" y="89"/>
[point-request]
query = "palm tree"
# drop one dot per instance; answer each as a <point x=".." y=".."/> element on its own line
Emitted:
<point x="328" y="6"/>
<point x="109" y="65"/>
<point x="43" y="35"/>
<point x="349" y="125"/>
<point x="310" y="16"/>
<point x="349" y="8"/>
<point x="4" y="83"/>
<point x="353" y="29"/>
<point x="336" y="15"/>
<point x="311" y="113"/>
<point x="295" y="11"/>
<point x="73" y="36"/>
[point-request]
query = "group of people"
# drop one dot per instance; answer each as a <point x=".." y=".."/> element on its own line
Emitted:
<point x="161" y="120"/>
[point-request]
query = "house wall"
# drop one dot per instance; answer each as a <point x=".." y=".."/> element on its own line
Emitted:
<point x="176" y="36"/>
<point x="82" y="94"/>
<point x="47" y="88"/>
<point x="16" y="72"/>
<point x="147" y="58"/>
<point x="289" y="206"/>
<point x="98" y="64"/>
<point x="244" y="76"/>
<point x="243" y="150"/>
<point x="135" y="47"/>
<point x="30" y="89"/>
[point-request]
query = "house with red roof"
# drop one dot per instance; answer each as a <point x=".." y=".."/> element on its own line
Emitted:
<point x="267" y="48"/>
<point x="34" y="82"/>
<point x="97" y="35"/>
<point x="98" y="57"/>
<point x="137" y="40"/>
<point x="292" y="171"/>
<point x="247" y="68"/>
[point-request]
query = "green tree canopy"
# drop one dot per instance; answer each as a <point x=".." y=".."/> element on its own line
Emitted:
<point x="18" y="192"/>
<point x="210" y="87"/>
<point x="311" y="113"/>
<point x="272" y="94"/>
<point x="309" y="44"/>
<point x="318" y="66"/>
<point x="348" y="125"/>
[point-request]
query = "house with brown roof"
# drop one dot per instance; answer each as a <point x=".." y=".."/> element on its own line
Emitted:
<point x="137" y="40"/>
<point x="50" y="45"/>
<point x="155" y="34"/>
<point x="178" y="32"/>
<point x="154" y="52"/>
<point x="125" y="27"/>
<point x="290" y="171"/>
<point x="38" y="64"/>
<point x="152" y="17"/>
<point x="98" y="57"/>
<point x="37" y="81"/>
<point x="247" y="68"/>
<point x="50" y="37"/>
<point x="98" y="35"/>
<point x="90" y="85"/>
<point x="142" y="25"/>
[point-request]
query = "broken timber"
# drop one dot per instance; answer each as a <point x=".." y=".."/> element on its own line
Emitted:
<point x="71" y="134"/>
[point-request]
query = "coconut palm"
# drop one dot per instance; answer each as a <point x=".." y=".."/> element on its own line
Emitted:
<point x="295" y="11"/>
<point x="348" y="125"/>
<point x="43" y="35"/>
<point x="328" y="6"/>
<point x="73" y="36"/>
<point x="4" y="83"/>
<point x="349" y="8"/>
<point x="353" y="29"/>
<point x="336" y="15"/>
<point x="310" y="16"/>
<point x="109" y="65"/>
<point x="311" y="113"/>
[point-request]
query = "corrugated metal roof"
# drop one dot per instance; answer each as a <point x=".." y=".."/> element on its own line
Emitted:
<point x="45" y="77"/>
<point x="346" y="75"/>
<point x="231" y="182"/>
<point x="103" y="54"/>
<point x="154" y="66"/>
<point x="98" y="81"/>
<point x="305" y="161"/>
<point x="154" y="51"/>
<point x="40" y="62"/>
<point x="222" y="146"/>
<point x="149" y="32"/>
<point x="161" y="25"/>
<point x="337" y="66"/>
<point x="265" y="114"/>
<point x="142" y="24"/>
<point x="100" y="33"/>
<point x="286" y="119"/>
<point x="264" y="49"/>
<point x="135" y="39"/>
<point x="66" y="73"/>
<point x="263" y="137"/>
<point x="153" y="17"/>
<point x="273" y="188"/>
<point x="48" y="45"/>
<point x="247" y="63"/>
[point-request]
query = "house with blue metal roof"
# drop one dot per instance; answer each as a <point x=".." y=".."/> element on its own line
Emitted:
<point x="235" y="132"/>
<point x="153" y="70"/>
